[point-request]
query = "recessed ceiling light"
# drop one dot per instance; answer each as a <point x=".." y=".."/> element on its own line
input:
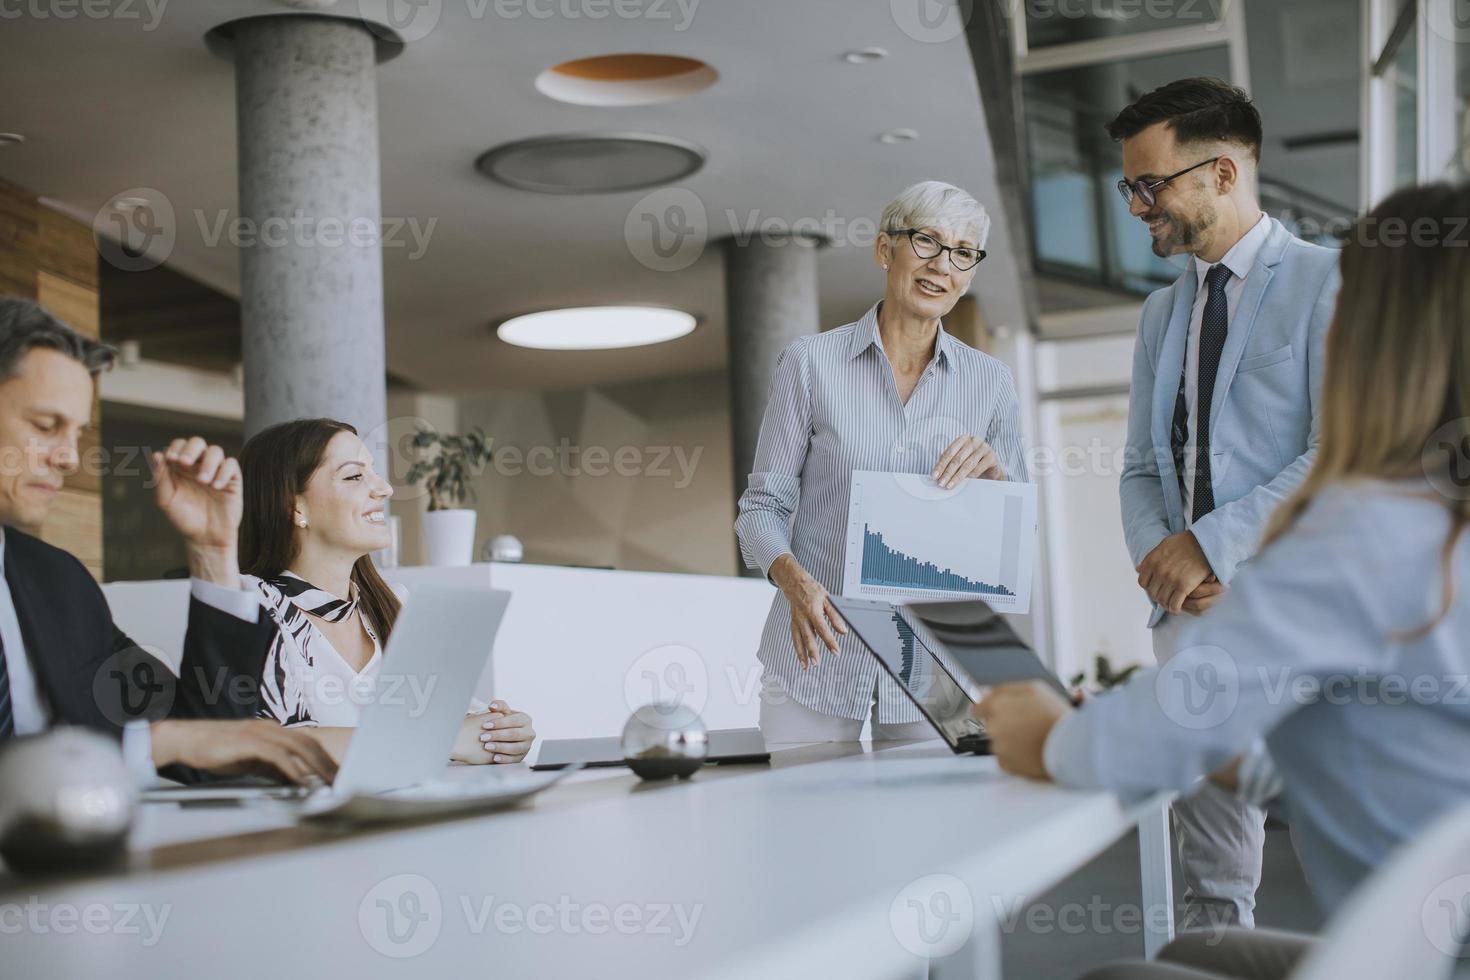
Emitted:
<point x="898" y="136"/>
<point x="596" y="327"/>
<point x="8" y="139"/>
<point x="591" y="163"/>
<point x="625" y="79"/>
<point x="862" y="56"/>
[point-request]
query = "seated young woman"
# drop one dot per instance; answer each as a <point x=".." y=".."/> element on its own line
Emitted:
<point x="314" y="510"/>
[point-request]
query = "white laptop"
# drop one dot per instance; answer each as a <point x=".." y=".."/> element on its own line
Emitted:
<point x="396" y="761"/>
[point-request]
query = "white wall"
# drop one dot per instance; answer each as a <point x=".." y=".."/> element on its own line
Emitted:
<point x="579" y="649"/>
<point x="1096" y="604"/>
<point x="629" y="476"/>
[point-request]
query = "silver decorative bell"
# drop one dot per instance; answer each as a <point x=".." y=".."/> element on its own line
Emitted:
<point x="665" y="739"/>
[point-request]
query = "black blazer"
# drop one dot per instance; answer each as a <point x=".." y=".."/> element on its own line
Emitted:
<point x="92" y="674"/>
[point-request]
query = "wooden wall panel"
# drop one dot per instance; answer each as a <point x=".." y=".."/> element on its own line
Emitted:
<point x="50" y="257"/>
<point x="64" y="247"/>
<point x="19" y="234"/>
<point x="72" y="301"/>
<point x="75" y="524"/>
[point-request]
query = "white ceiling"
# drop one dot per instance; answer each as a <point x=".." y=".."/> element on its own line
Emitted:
<point x="790" y="129"/>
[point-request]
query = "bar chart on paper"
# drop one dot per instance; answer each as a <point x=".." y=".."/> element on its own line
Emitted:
<point x="909" y="539"/>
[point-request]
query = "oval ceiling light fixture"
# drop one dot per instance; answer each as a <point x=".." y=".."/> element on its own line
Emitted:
<point x="591" y="163"/>
<point x="898" y="136"/>
<point x="864" y="56"/>
<point x="625" y="79"/>
<point x="596" y="327"/>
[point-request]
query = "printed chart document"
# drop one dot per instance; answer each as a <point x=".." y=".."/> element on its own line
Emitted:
<point x="908" y="538"/>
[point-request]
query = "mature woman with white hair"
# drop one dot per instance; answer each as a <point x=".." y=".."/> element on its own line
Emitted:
<point x="891" y="392"/>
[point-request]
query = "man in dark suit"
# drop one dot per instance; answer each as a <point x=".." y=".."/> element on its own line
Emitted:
<point x="62" y="659"/>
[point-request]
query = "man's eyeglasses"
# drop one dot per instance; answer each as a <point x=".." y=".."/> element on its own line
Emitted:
<point x="962" y="257"/>
<point x="1146" y="189"/>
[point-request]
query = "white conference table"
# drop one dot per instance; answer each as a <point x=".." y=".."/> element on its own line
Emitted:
<point x="818" y="865"/>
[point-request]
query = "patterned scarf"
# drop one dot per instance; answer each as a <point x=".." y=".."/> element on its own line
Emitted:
<point x="310" y="599"/>
<point x="289" y="599"/>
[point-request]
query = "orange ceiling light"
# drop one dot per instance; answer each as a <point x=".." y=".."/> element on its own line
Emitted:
<point x="628" y="67"/>
<point x="625" y="79"/>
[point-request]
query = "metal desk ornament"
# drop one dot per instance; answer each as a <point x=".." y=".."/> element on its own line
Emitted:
<point x="665" y="739"/>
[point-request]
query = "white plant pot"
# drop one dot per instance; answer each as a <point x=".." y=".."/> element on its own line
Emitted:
<point x="449" y="537"/>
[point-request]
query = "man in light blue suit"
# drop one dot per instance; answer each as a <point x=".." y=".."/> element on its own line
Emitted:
<point x="1222" y="420"/>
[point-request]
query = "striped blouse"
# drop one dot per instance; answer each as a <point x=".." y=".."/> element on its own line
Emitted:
<point x="834" y="408"/>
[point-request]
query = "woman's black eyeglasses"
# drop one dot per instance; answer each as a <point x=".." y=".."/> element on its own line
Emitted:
<point x="962" y="257"/>
<point x="1145" y="188"/>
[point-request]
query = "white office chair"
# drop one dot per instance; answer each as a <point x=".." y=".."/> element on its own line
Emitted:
<point x="1410" y="919"/>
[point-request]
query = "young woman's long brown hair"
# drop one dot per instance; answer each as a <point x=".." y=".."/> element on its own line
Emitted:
<point x="1396" y="392"/>
<point x="277" y="463"/>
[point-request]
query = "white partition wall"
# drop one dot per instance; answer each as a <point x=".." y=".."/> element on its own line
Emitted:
<point x="579" y="648"/>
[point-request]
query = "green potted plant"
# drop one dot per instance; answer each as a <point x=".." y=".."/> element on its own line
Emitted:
<point x="445" y="465"/>
<point x="1104" y="675"/>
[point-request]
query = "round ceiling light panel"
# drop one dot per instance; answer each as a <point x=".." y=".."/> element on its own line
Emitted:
<point x="625" y="79"/>
<point x="596" y="327"/>
<point x="591" y="163"/>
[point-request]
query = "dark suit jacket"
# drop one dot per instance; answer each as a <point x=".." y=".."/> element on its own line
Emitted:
<point x="92" y="674"/>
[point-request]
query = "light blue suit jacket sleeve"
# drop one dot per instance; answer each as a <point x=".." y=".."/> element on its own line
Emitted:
<point x="1145" y="517"/>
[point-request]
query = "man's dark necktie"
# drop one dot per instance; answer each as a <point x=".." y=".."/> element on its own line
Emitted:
<point x="7" y="714"/>
<point x="1213" y="328"/>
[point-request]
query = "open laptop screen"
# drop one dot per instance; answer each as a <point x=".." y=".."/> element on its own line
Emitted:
<point x="885" y="631"/>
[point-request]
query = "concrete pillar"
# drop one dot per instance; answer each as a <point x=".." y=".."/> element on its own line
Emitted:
<point x="311" y="281"/>
<point x="770" y="300"/>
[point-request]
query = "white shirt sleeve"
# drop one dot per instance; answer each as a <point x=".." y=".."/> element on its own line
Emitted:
<point x="137" y="749"/>
<point x="242" y="603"/>
<point x="1259" y="782"/>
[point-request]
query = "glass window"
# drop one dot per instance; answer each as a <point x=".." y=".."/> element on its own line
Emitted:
<point x="1459" y="163"/>
<point x="1447" y="84"/>
<point x="1402" y="76"/>
<point x="1083" y="230"/>
<point x="1306" y="75"/>
<point x="1064" y="21"/>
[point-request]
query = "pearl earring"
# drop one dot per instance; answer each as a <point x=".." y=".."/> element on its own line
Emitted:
<point x="301" y="523"/>
<point x="885" y="266"/>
